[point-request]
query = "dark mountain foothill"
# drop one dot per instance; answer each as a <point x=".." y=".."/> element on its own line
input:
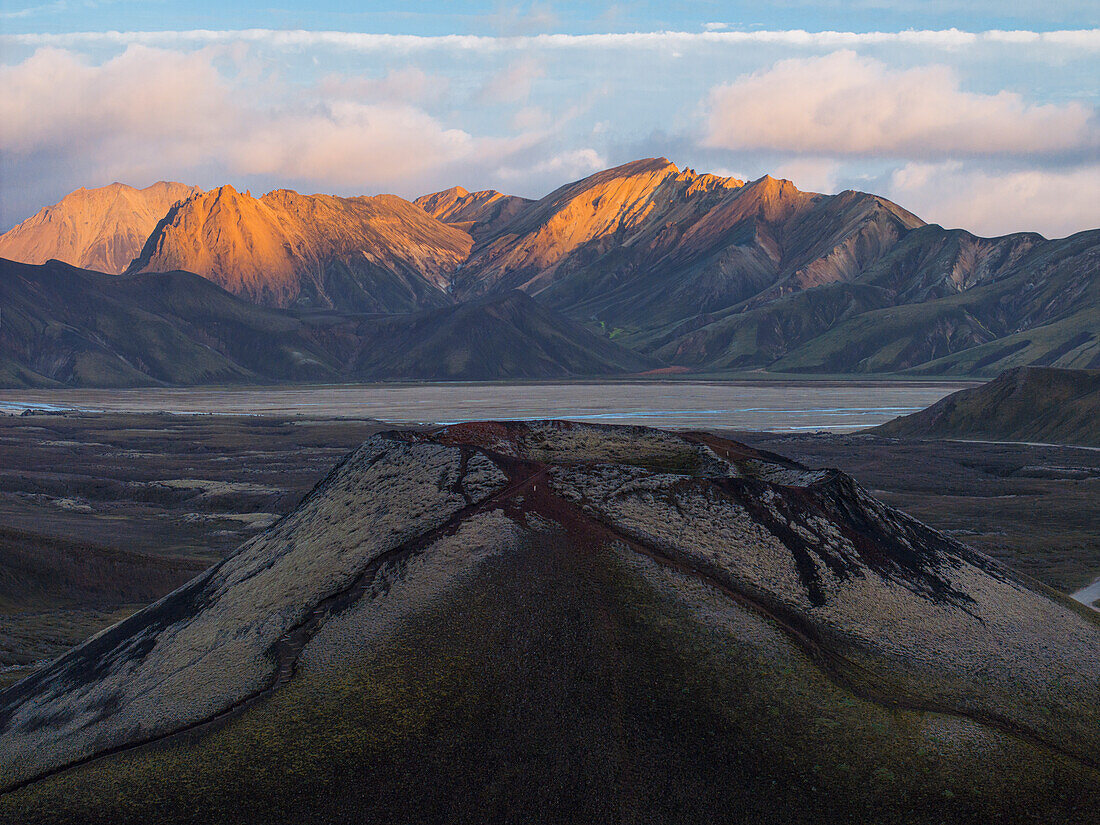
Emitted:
<point x="62" y="326"/>
<point x="1028" y="404"/>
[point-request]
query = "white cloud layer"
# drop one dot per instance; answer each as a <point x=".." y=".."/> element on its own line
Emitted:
<point x="215" y="107"/>
<point x="513" y="83"/>
<point x="149" y="113"/>
<point x="987" y="202"/>
<point x="406" y="85"/>
<point x="843" y="104"/>
<point x="1078" y="39"/>
<point x="56" y="100"/>
<point x="566" y="166"/>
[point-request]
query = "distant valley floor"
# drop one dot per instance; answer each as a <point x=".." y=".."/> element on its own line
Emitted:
<point x="104" y="513"/>
<point x="759" y="402"/>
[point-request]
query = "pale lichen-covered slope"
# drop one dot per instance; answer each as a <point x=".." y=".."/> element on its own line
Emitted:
<point x="100" y="229"/>
<point x="895" y="611"/>
<point x="377" y="253"/>
<point x="215" y="642"/>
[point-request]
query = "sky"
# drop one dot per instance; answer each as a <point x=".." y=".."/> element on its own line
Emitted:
<point x="982" y="115"/>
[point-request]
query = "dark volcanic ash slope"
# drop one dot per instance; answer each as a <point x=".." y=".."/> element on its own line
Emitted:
<point x="565" y="623"/>
<point x="1041" y="404"/>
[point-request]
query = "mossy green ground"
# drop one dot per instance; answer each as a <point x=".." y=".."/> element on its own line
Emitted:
<point x="561" y="685"/>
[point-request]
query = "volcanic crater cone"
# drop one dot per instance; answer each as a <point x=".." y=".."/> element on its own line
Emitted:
<point x="550" y="622"/>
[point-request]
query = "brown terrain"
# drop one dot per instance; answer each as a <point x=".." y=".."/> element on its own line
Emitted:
<point x="306" y="618"/>
<point x="100" y="229"/>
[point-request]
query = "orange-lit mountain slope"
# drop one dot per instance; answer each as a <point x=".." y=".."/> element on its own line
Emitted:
<point x="373" y="254"/>
<point x="101" y="229"/>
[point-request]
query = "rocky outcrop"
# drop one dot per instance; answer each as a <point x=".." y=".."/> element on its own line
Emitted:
<point x="100" y="229"/>
<point x="890" y="609"/>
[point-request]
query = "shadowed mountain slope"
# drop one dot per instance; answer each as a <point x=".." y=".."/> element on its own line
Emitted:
<point x="101" y="229"/>
<point x="65" y="326"/>
<point x="943" y="302"/>
<point x="365" y="254"/>
<point x="1040" y="404"/>
<point x="492" y="338"/>
<point x="566" y="623"/>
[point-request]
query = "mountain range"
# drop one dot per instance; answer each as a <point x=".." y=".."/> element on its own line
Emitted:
<point x="685" y="270"/>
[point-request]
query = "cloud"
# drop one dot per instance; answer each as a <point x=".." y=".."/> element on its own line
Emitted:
<point x="810" y="174"/>
<point x="1084" y="40"/>
<point x="30" y="11"/>
<point x="410" y="84"/>
<point x="996" y="202"/>
<point x="512" y="84"/>
<point x="212" y="114"/>
<point x="571" y="165"/>
<point x="531" y="118"/>
<point x="843" y="104"/>
<point x="357" y="113"/>
<point x="342" y="142"/>
<point x="56" y="100"/>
